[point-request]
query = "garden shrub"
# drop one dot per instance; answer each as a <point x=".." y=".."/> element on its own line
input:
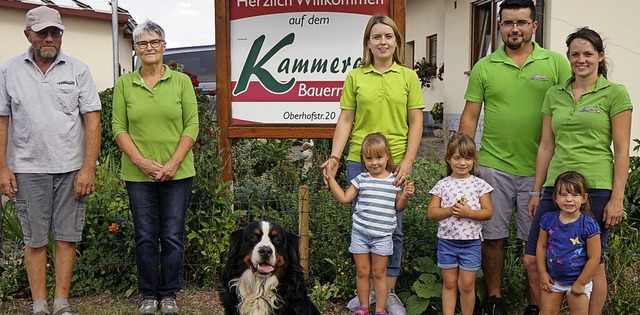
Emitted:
<point x="106" y="260"/>
<point x="13" y="276"/>
<point x="622" y="261"/>
<point x="266" y="186"/>
<point x="108" y="146"/>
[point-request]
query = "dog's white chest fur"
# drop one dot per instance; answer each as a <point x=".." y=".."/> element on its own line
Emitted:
<point x="257" y="295"/>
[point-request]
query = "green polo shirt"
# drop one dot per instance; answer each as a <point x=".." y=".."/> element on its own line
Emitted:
<point x="582" y="130"/>
<point x="381" y="102"/>
<point x="512" y="99"/>
<point x="155" y="119"/>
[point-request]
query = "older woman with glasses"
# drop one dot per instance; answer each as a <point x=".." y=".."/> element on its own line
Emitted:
<point x="155" y="124"/>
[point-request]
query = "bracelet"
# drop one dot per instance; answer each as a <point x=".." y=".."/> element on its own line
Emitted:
<point x="333" y="157"/>
<point x="534" y="194"/>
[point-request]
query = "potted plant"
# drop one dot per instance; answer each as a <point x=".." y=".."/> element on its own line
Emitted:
<point x="437" y="112"/>
<point x="425" y="72"/>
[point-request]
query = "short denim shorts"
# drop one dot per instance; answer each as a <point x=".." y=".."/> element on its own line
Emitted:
<point x="566" y="288"/>
<point x="365" y="244"/>
<point x="463" y="254"/>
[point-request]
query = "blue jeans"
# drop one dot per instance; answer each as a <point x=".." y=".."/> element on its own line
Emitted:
<point x="393" y="263"/>
<point x="159" y="210"/>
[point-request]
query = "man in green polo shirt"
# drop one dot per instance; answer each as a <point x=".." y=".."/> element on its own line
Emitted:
<point x="511" y="82"/>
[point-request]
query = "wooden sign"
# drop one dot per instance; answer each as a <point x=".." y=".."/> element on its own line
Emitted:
<point x="281" y="64"/>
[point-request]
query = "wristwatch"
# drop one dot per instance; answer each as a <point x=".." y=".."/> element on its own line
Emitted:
<point x="534" y="194"/>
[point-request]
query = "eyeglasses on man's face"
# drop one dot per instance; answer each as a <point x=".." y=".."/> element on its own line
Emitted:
<point x="518" y="23"/>
<point x="154" y="43"/>
<point x="54" y="32"/>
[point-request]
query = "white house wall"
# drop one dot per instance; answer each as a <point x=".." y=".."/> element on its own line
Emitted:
<point x="425" y="18"/>
<point x="86" y="39"/>
<point x="450" y="19"/>
<point x="456" y="56"/>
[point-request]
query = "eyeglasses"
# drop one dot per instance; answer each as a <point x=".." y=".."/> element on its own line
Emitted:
<point x="55" y="33"/>
<point x="519" y="23"/>
<point x="154" y="43"/>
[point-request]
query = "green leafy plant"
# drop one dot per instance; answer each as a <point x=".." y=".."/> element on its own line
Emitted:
<point x="345" y="272"/>
<point x="425" y="71"/>
<point x="427" y="289"/>
<point x="210" y="219"/>
<point x="12" y="269"/>
<point x="106" y="260"/>
<point x="632" y="190"/>
<point x="320" y="294"/>
<point x="623" y="269"/>
<point x="437" y="112"/>
<point x="13" y="276"/>
<point x="108" y="146"/>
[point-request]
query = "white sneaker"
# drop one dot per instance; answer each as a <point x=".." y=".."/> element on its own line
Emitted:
<point x="148" y="306"/>
<point x="394" y="305"/>
<point x="168" y="306"/>
<point x="355" y="302"/>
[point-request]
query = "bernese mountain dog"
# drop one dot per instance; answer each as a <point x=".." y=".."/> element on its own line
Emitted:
<point x="262" y="275"/>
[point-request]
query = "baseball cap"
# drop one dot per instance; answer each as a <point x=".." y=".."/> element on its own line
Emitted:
<point x="42" y="17"/>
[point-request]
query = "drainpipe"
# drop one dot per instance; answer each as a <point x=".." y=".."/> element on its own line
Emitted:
<point x="114" y="35"/>
<point x="540" y="15"/>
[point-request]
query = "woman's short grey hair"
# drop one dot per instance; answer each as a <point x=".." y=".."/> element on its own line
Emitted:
<point x="148" y="27"/>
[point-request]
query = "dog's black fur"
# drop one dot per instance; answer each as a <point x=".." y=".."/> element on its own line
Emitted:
<point x="263" y="264"/>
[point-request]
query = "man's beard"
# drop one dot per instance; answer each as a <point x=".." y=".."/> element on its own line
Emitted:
<point x="48" y="53"/>
<point x="514" y="46"/>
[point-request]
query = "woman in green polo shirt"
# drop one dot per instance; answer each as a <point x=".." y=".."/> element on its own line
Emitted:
<point x="581" y="119"/>
<point x="155" y="124"/>
<point x="381" y="95"/>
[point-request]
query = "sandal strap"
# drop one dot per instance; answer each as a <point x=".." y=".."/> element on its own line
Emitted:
<point x="360" y="310"/>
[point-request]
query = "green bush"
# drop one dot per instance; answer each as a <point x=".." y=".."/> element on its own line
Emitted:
<point x="106" y="260"/>
<point x="266" y="186"/>
<point x="108" y="146"/>
<point x="632" y="191"/>
<point x="13" y="276"/>
<point x="623" y="269"/>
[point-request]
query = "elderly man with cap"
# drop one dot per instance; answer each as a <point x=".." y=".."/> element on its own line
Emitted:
<point x="49" y="144"/>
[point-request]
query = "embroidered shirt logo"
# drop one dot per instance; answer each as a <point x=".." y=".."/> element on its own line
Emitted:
<point x="67" y="83"/>
<point x="537" y="77"/>
<point x="588" y="109"/>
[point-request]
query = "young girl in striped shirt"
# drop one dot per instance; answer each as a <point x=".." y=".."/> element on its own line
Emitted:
<point x="374" y="219"/>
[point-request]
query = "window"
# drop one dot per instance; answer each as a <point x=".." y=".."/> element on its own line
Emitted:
<point x="485" y="37"/>
<point x="432" y="49"/>
<point x="409" y="54"/>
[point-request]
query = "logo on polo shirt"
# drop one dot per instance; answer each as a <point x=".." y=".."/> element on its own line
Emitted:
<point x="537" y="77"/>
<point x="589" y="109"/>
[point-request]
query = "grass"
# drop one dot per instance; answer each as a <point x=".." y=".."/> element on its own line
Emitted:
<point x="192" y="301"/>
